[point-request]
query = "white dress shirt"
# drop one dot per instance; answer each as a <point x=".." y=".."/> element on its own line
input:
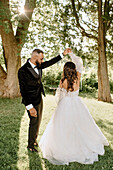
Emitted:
<point x="34" y="67"/>
<point x="30" y="106"/>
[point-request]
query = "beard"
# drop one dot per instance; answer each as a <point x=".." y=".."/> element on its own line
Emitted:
<point x="38" y="64"/>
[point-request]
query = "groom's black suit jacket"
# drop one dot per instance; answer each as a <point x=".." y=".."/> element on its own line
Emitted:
<point x="30" y="82"/>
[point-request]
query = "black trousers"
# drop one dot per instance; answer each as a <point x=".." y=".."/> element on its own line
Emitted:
<point x="34" y="125"/>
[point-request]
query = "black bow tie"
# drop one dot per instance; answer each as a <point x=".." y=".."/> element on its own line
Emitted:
<point x="35" y="67"/>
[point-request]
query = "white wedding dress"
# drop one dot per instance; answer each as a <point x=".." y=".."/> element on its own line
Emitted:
<point x="72" y="135"/>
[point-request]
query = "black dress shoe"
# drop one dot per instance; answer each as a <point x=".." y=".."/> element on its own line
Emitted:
<point x="32" y="149"/>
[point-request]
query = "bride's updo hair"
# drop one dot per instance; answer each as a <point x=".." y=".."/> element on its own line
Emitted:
<point x="70" y="74"/>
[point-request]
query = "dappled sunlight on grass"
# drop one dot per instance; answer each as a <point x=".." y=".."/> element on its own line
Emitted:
<point x="23" y="158"/>
<point x="27" y="160"/>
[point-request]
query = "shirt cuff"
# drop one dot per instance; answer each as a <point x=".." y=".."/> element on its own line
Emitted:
<point x="30" y="106"/>
<point x="61" y="54"/>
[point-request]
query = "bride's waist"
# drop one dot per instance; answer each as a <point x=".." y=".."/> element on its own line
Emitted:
<point x="74" y="93"/>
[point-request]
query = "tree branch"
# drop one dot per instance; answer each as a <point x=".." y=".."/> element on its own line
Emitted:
<point x="88" y="25"/>
<point x="83" y="31"/>
<point x="5" y="20"/>
<point x="6" y="29"/>
<point x="95" y="1"/>
<point x="111" y="17"/>
<point x="24" y="21"/>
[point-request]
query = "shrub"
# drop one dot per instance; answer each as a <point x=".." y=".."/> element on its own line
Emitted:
<point x="111" y="87"/>
<point x="89" y="82"/>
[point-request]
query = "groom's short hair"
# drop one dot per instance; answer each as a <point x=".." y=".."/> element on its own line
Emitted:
<point x="38" y="51"/>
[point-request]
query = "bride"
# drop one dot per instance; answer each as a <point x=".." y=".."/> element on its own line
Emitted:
<point x="72" y="134"/>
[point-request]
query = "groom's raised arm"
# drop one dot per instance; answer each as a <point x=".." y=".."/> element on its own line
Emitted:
<point x="55" y="59"/>
<point x="51" y="61"/>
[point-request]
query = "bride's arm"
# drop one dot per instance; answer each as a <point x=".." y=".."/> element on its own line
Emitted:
<point x="79" y="65"/>
<point x="78" y="62"/>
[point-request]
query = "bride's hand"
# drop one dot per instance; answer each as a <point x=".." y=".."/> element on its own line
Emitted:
<point x="67" y="50"/>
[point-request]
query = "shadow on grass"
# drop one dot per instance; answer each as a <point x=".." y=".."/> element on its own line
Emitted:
<point x="11" y="112"/>
<point x="107" y="125"/>
<point x="34" y="161"/>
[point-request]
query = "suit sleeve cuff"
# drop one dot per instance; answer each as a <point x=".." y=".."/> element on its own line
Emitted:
<point x="30" y="106"/>
<point x="61" y="54"/>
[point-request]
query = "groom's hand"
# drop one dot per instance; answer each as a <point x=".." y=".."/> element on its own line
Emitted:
<point x="67" y="50"/>
<point x="33" y="112"/>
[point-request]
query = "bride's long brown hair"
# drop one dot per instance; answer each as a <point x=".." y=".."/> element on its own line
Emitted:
<point x="70" y="74"/>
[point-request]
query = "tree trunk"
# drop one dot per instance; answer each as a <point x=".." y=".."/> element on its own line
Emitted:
<point x="11" y="83"/>
<point x="12" y="45"/>
<point x="10" y="87"/>
<point x="103" y="80"/>
<point x="12" y="57"/>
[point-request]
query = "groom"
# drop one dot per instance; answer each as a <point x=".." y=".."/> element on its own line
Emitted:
<point x="31" y="89"/>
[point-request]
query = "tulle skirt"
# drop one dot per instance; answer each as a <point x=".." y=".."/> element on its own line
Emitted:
<point x="72" y="134"/>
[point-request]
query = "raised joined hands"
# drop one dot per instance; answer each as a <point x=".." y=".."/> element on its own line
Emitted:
<point x="67" y="50"/>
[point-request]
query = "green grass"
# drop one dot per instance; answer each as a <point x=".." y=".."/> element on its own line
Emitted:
<point x="14" y="129"/>
<point x="11" y="112"/>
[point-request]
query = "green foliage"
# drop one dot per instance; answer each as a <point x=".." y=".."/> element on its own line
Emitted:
<point x="89" y="83"/>
<point x="54" y="27"/>
<point x="51" y="79"/>
<point x="111" y="86"/>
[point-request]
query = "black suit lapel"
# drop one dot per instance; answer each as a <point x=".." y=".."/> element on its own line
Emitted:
<point x="35" y="75"/>
<point x="38" y="77"/>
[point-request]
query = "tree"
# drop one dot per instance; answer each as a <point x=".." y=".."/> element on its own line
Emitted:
<point x="56" y="24"/>
<point x="12" y="44"/>
<point x="104" y="22"/>
<point x="103" y="81"/>
<point x="67" y="24"/>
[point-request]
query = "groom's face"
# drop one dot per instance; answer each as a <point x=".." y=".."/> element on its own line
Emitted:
<point x="39" y="58"/>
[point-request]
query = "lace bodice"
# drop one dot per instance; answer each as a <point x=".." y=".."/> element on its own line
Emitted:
<point x="61" y="93"/>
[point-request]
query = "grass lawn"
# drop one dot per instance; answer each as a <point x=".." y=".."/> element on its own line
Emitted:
<point x="14" y="128"/>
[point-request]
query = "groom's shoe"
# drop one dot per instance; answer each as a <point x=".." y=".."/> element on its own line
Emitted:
<point x="36" y="144"/>
<point x="32" y="149"/>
